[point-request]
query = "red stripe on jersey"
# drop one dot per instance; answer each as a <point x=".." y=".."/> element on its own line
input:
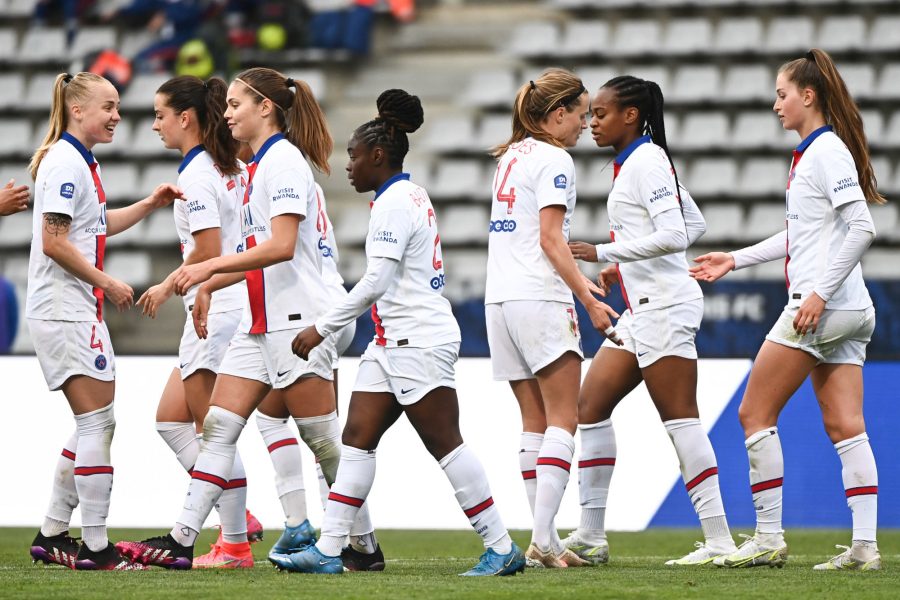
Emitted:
<point x="357" y="502"/>
<point x="234" y="484"/>
<point x="471" y="512"/>
<point x="210" y="478"/>
<point x="105" y="470"/>
<point x="862" y="491"/>
<point x="529" y="474"/>
<point x="787" y="244"/>
<point x="612" y="237"/>
<point x="291" y="441"/>
<point x="379" y="328"/>
<point x="101" y="238"/>
<point x="230" y="185"/>
<point x="549" y="461"/>
<point x="256" y="281"/>
<point x="68" y="454"/>
<point x="596" y="462"/>
<point x="766" y="485"/>
<point x="701" y="478"/>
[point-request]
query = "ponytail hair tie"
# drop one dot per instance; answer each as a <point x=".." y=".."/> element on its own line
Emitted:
<point x="67" y="78"/>
<point x="289" y="82"/>
<point x="206" y="86"/>
<point x="533" y="86"/>
<point x="810" y="56"/>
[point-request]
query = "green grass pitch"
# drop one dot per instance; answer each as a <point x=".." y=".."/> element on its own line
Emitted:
<point x="425" y="564"/>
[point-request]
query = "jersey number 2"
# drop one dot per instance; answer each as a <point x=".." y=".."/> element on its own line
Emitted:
<point x="510" y="196"/>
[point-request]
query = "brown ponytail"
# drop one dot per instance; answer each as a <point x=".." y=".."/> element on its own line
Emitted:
<point x="818" y="72"/>
<point x="298" y="114"/>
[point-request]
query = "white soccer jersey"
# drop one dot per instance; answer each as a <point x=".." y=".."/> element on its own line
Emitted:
<point x="290" y="294"/>
<point x="531" y="175"/>
<point x="402" y="226"/>
<point x="328" y="247"/>
<point x="644" y="187"/>
<point x="67" y="182"/>
<point x="823" y="177"/>
<point x="211" y="199"/>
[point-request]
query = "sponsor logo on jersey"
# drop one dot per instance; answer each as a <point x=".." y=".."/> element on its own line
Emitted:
<point x="845" y="184"/>
<point x="100" y="362"/>
<point x="437" y="282"/>
<point x="559" y="182"/>
<point x="663" y="192"/>
<point x="501" y="225"/>
<point x="67" y="190"/>
<point x="384" y="236"/>
<point x="195" y="206"/>
<point x="326" y="250"/>
<point x="283" y="193"/>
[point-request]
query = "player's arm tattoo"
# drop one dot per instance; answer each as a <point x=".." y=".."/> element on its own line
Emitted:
<point x="57" y="223"/>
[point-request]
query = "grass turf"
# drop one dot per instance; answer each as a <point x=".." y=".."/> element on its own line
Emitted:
<point x="425" y="564"/>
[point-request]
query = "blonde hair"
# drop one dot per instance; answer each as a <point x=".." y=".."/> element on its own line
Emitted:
<point x="67" y="90"/>
<point x="817" y="71"/>
<point x="555" y="88"/>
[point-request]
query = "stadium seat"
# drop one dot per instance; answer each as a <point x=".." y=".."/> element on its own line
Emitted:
<point x="90" y="39"/>
<point x="12" y="90"/>
<point x="460" y="178"/>
<point x="594" y="77"/>
<point x="464" y="224"/>
<point x="881" y="165"/>
<point x="758" y="129"/>
<point x="134" y="42"/>
<point x="493" y="130"/>
<point x="7" y="43"/>
<point x="724" y="223"/>
<point x="353" y="265"/>
<point x="860" y="79"/>
<point x="41" y="45"/>
<point x="883" y="35"/>
<point x="122" y="143"/>
<point x="789" y="34"/>
<point x="352" y="226"/>
<point x="19" y="8"/>
<point x="15" y="268"/>
<point x="450" y="134"/>
<point x="119" y="178"/>
<point x="39" y="92"/>
<point x="695" y="84"/>
<point x="534" y="39"/>
<point x="583" y="226"/>
<point x="889" y="82"/>
<point x="155" y="174"/>
<point x="585" y="39"/>
<point x="891" y="135"/>
<point x="704" y="130"/>
<point x="764" y="176"/>
<point x="748" y="82"/>
<point x="17" y="171"/>
<point x="737" y="35"/>
<point x="601" y="225"/>
<point x="594" y="178"/>
<point x="885" y="218"/>
<point x="140" y="93"/>
<point x="873" y="123"/>
<point x="160" y="229"/>
<point x="636" y="37"/>
<point x="880" y="264"/>
<point x="145" y="141"/>
<point x="419" y="169"/>
<point x="15" y="138"/>
<point x="657" y="74"/>
<point x="687" y="36"/>
<point x="710" y="177"/>
<point x="764" y="220"/>
<point x="133" y="236"/>
<point x="490" y="88"/>
<point x="15" y="230"/>
<point x="843" y="33"/>
<point x="134" y="268"/>
<point x="465" y="274"/>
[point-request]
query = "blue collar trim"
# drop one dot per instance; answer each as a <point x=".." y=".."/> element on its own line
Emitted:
<point x="812" y="137"/>
<point x="624" y="154"/>
<point x="265" y="147"/>
<point x="85" y="153"/>
<point x="390" y="182"/>
<point x="192" y="153"/>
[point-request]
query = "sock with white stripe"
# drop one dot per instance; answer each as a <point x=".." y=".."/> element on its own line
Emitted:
<point x="323" y="485"/>
<point x="94" y="473"/>
<point x="860" y="478"/>
<point x="284" y="452"/>
<point x="473" y="492"/>
<point x="182" y="439"/>
<point x="529" y="447"/>
<point x="595" y="470"/>
<point x="221" y="430"/>
<point x="700" y="474"/>
<point x="553" y="465"/>
<point x="355" y="476"/>
<point x="64" y="496"/>
<point x="766" y="479"/>
<point x="232" y="504"/>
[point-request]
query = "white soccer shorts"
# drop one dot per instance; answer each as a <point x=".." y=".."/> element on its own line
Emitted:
<point x="268" y="358"/>
<point x="342" y="341"/>
<point x="654" y="334"/>
<point x="195" y="354"/>
<point x="840" y="338"/>
<point x="407" y="373"/>
<point x="68" y="348"/>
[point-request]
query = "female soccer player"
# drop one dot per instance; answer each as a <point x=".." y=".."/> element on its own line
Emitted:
<point x="829" y="317"/>
<point x="189" y="118"/>
<point x="652" y="221"/>
<point x="64" y="307"/>
<point x="531" y="324"/>
<point x="409" y="365"/>
<point x="281" y="264"/>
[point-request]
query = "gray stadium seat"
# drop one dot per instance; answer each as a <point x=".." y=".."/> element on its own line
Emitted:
<point x="464" y="224"/>
<point x="789" y="34"/>
<point x="891" y="137"/>
<point x="17" y="171"/>
<point x="15" y="230"/>
<point x="19" y="8"/>
<point x="450" y="134"/>
<point x="635" y="37"/>
<point x="748" y="82"/>
<point x="657" y="74"/>
<point x="687" y="36"/>
<point x="860" y="79"/>
<point x="880" y="264"/>
<point x="15" y="268"/>
<point x="119" y="178"/>
<point x="585" y="38"/>
<point x="160" y="229"/>
<point x="144" y="141"/>
<point x="351" y="227"/>
<point x="490" y="88"/>
<point x="133" y="236"/>
<point x="15" y="138"/>
<point x="695" y="83"/>
<point x="90" y="39"/>
<point x="534" y="39"/>
<point x="764" y="176"/>
<point x="419" y="170"/>
<point x="758" y="129"/>
<point x="583" y="227"/>
<point x="724" y="222"/>
<point x="465" y="273"/>
<point x="39" y="92"/>
<point x="134" y="268"/>
<point x="43" y="45"/>
<point x="738" y="35"/>
<point x="353" y="264"/>
<point x="764" y="220"/>
<point x="601" y="225"/>
<point x="134" y="42"/>
<point x="889" y="82"/>
<point x="886" y="220"/>
<point x="882" y="167"/>
<point x="710" y="177"/>
<point x="7" y="43"/>
<point x="594" y="77"/>
<point x="121" y="144"/>
<point x="873" y="123"/>
<point x="594" y="178"/>
<point x="463" y="178"/>
<point x="883" y="35"/>
<point x="493" y="130"/>
<point x="155" y="174"/>
<point x="704" y="130"/>
<point x="843" y="33"/>
<point x="141" y="91"/>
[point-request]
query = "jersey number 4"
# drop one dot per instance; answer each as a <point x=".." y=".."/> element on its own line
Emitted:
<point x="510" y="196"/>
<point x="95" y="343"/>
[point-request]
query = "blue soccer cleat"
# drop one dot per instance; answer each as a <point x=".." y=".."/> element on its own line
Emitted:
<point x="492" y="563"/>
<point x="295" y="539"/>
<point x="309" y="560"/>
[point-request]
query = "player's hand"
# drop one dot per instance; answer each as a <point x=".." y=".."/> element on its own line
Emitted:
<point x="808" y="315"/>
<point x="607" y="278"/>
<point x="583" y="251"/>
<point x="13" y="199"/>
<point x="305" y="341"/>
<point x="187" y="276"/>
<point x="712" y="266"/>
<point x="600" y="314"/>
<point x="593" y="287"/>
<point x="119" y="293"/>
<point x="153" y="298"/>
<point x="164" y="195"/>
<point x="200" y="312"/>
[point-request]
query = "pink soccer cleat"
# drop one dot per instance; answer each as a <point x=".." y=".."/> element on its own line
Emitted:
<point x="223" y="555"/>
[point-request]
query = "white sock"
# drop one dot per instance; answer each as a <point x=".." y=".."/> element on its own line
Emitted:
<point x="323" y="485"/>
<point x="355" y="476"/>
<point x="766" y="479"/>
<point x="553" y="465"/>
<point x="473" y="492"/>
<point x="529" y="447"/>
<point x="94" y="473"/>
<point x="221" y="430"/>
<point x="232" y="504"/>
<point x="860" y="484"/>
<point x="284" y="451"/>
<point x="595" y="470"/>
<point x="64" y="496"/>
<point x="182" y="439"/>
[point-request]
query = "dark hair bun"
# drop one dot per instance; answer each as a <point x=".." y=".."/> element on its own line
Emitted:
<point x="400" y="110"/>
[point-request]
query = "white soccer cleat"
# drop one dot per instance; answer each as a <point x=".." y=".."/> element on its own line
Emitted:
<point x="861" y="556"/>
<point x="756" y="551"/>
<point x="702" y="555"/>
<point x="595" y="554"/>
<point x="537" y="558"/>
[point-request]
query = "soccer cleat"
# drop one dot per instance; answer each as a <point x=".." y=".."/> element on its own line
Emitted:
<point x="294" y="539"/>
<point x="254" y="529"/>
<point x="571" y="559"/>
<point x="594" y="554"/>
<point x="492" y="563"/>
<point x="58" y="549"/>
<point x="162" y="551"/>
<point x="309" y="560"/>
<point x="535" y="557"/>
<point x="702" y="555"/>
<point x="223" y="555"/>
<point x="108" y="559"/>
<point x="354" y="560"/>
<point x="861" y="556"/>
<point x="756" y="552"/>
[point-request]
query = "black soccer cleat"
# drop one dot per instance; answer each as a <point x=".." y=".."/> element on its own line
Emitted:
<point x="354" y="560"/>
<point x="162" y="551"/>
<point x="108" y="559"/>
<point x="58" y="549"/>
